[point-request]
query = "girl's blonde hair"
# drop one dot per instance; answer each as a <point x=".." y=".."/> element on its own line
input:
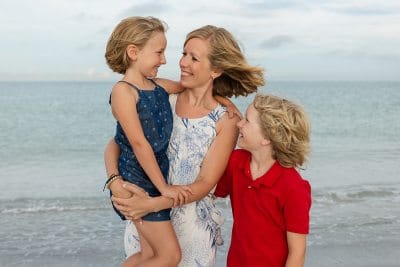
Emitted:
<point x="287" y="126"/>
<point x="132" y="30"/>
<point x="238" y="77"/>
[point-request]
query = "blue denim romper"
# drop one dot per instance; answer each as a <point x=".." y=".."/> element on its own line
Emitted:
<point x="155" y="116"/>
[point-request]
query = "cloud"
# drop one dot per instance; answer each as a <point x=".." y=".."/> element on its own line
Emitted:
<point x="365" y="11"/>
<point x="148" y="8"/>
<point x="363" y="8"/>
<point x="363" y="55"/>
<point x="86" y="47"/>
<point x="270" y="5"/>
<point x="277" y="41"/>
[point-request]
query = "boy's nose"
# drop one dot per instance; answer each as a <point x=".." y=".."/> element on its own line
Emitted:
<point x="163" y="60"/>
<point x="240" y="123"/>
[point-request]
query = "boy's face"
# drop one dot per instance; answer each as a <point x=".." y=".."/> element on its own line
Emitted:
<point x="250" y="134"/>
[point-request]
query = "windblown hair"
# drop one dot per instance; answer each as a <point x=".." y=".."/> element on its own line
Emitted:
<point x="132" y="30"/>
<point x="238" y="77"/>
<point x="287" y="126"/>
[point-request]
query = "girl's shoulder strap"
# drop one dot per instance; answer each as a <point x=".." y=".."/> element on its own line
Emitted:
<point x="132" y="85"/>
<point x="153" y="81"/>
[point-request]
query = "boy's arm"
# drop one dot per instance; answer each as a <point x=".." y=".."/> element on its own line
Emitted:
<point x="297" y="249"/>
<point x="224" y="186"/>
<point x="172" y="87"/>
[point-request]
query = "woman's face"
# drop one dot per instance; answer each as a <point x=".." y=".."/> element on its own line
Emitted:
<point x="195" y="65"/>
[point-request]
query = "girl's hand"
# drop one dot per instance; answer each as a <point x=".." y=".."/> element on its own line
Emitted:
<point x="179" y="193"/>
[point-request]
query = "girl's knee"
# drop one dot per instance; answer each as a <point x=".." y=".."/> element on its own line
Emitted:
<point x="172" y="257"/>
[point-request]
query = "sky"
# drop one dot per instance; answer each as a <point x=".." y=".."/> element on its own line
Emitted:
<point x="292" y="40"/>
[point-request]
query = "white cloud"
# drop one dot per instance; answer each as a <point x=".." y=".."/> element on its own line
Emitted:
<point x="63" y="39"/>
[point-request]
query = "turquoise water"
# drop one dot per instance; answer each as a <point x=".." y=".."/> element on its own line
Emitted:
<point x="52" y="136"/>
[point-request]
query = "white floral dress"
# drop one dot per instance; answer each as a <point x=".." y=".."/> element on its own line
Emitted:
<point x="197" y="224"/>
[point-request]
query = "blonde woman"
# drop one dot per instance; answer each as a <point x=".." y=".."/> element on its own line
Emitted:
<point x="202" y="140"/>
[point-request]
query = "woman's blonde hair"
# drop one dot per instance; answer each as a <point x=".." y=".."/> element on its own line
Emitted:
<point x="132" y="30"/>
<point x="238" y="77"/>
<point x="287" y="126"/>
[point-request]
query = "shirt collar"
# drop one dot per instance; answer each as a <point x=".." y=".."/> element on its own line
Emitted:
<point x="271" y="176"/>
<point x="268" y="179"/>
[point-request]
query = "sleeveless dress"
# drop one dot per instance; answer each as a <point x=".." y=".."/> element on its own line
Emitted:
<point x="155" y="116"/>
<point x="197" y="224"/>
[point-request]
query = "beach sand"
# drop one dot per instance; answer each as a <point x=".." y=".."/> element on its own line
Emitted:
<point x="372" y="254"/>
<point x="368" y="254"/>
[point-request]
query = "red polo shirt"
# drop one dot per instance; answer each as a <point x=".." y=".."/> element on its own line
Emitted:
<point x="263" y="211"/>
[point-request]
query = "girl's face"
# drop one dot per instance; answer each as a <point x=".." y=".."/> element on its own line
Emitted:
<point x="152" y="56"/>
<point x="195" y="66"/>
<point x="250" y="133"/>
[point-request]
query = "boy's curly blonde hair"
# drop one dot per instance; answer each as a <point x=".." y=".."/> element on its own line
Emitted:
<point x="286" y="125"/>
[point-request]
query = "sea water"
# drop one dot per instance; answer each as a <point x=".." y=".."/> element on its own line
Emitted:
<point x="53" y="211"/>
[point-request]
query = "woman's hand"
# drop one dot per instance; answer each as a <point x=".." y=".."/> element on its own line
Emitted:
<point x="179" y="193"/>
<point x="230" y="107"/>
<point x="135" y="207"/>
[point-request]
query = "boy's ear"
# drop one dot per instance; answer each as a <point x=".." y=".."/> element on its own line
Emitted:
<point x="132" y="51"/>
<point x="265" y="142"/>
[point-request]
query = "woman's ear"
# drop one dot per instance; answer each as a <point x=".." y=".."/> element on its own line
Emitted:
<point x="132" y="51"/>
<point x="216" y="73"/>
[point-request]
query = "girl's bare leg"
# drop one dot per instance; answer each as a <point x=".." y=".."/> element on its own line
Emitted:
<point x="162" y="242"/>
<point x="145" y="253"/>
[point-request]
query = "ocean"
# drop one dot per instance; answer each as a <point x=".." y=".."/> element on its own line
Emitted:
<point x="53" y="211"/>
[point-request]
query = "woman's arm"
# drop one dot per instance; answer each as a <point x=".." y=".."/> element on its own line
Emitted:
<point x="111" y="155"/>
<point x="211" y="170"/>
<point x="172" y="87"/>
<point x="297" y="249"/>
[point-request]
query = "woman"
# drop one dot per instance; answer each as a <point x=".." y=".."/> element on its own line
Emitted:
<point x="202" y="140"/>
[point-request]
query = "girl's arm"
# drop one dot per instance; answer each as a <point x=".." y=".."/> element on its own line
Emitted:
<point x="211" y="170"/>
<point x="172" y="87"/>
<point x="297" y="249"/>
<point x="123" y="104"/>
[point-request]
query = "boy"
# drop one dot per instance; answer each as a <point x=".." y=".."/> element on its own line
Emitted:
<point x="270" y="200"/>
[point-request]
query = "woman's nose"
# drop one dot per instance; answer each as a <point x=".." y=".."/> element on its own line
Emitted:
<point x="183" y="61"/>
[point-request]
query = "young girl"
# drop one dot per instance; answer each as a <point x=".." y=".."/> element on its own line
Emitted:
<point x="270" y="200"/>
<point x="141" y="107"/>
